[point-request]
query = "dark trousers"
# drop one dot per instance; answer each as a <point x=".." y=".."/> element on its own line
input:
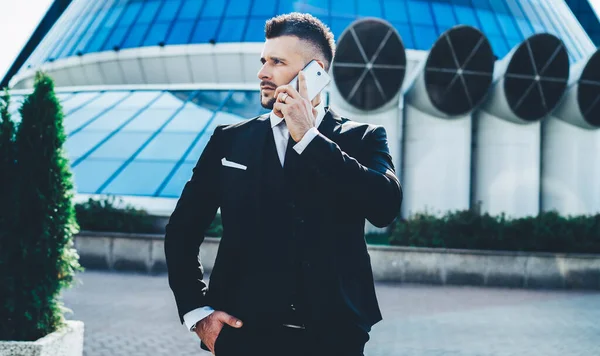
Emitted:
<point x="284" y="341"/>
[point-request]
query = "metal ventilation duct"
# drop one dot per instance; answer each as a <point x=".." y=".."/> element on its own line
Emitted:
<point x="530" y="80"/>
<point x="571" y="145"/>
<point x="581" y="104"/>
<point x="437" y="151"/>
<point x="457" y="74"/>
<point x="370" y="64"/>
<point x="506" y="148"/>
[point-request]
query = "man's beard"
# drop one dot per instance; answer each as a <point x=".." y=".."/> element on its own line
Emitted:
<point x="269" y="104"/>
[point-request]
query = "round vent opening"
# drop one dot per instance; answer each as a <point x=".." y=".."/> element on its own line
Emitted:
<point x="370" y="64"/>
<point x="459" y="70"/>
<point x="588" y="94"/>
<point x="537" y="76"/>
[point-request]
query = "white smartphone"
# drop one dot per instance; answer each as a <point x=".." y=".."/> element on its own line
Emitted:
<point x="316" y="79"/>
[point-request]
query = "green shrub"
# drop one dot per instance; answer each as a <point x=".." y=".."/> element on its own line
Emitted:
<point x="38" y="258"/>
<point x="548" y="232"/>
<point x="111" y="214"/>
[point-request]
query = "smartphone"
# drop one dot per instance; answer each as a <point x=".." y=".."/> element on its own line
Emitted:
<point x="316" y="79"/>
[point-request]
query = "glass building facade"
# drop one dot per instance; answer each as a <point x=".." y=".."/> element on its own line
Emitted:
<point x="587" y="17"/>
<point x="144" y="143"/>
<point x="96" y="26"/>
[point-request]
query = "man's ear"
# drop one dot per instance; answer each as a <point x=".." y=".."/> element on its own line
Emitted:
<point x="321" y="63"/>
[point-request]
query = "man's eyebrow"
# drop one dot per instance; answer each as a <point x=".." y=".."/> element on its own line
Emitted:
<point x="263" y="60"/>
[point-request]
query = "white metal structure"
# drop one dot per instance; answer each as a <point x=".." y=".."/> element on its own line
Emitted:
<point x="571" y="148"/>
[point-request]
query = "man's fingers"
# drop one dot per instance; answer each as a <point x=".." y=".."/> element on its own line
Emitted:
<point x="230" y="320"/>
<point x="290" y="90"/>
<point x="302" y="86"/>
<point x="278" y="109"/>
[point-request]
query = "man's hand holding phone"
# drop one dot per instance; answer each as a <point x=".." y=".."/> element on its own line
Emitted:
<point x="295" y="107"/>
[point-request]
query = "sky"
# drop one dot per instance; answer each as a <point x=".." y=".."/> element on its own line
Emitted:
<point x="18" y="20"/>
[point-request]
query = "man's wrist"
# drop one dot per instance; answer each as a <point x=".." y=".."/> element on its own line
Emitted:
<point x="306" y="139"/>
<point x="192" y="317"/>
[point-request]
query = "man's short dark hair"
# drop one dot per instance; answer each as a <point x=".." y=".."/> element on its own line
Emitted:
<point x="306" y="27"/>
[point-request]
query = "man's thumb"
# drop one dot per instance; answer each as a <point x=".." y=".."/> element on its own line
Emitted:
<point x="232" y="321"/>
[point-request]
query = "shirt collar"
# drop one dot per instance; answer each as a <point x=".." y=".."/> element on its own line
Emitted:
<point x="276" y="120"/>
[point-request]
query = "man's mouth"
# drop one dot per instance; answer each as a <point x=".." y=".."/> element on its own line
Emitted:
<point x="267" y="88"/>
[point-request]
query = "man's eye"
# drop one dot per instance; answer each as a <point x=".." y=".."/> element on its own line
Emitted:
<point x="276" y="61"/>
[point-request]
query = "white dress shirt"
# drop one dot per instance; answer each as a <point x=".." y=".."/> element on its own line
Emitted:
<point x="281" y="134"/>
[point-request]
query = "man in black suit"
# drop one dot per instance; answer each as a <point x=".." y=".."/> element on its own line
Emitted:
<point x="292" y="275"/>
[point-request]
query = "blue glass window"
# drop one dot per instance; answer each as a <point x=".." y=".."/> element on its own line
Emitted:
<point x="395" y="11"/>
<point x="499" y="45"/>
<point x="488" y="21"/>
<point x="140" y="99"/>
<point x="190" y="119"/>
<point x="223" y="118"/>
<point x="508" y="26"/>
<point x="96" y="43"/>
<point x="181" y="32"/>
<point x="168" y="100"/>
<point x="131" y="13"/>
<point x="78" y="100"/>
<point x="107" y="99"/>
<point x="405" y="33"/>
<point x="191" y="9"/>
<point x="194" y="154"/>
<point x="157" y="34"/>
<point x="167" y="146"/>
<point x="466" y="16"/>
<point x="140" y="178"/>
<point x="238" y="8"/>
<point x="231" y="30"/>
<point x="91" y="174"/>
<point x="175" y="185"/>
<point x="114" y="16"/>
<point x="112" y="119"/>
<point x="136" y="34"/>
<point x="122" y="145"/>
<point x="288" y="6"/>
<point x="255" y="31"/>
<point x="213" y="9"/>
<point x="338" y="25"/>
<point x="419" y="12"/>
<point x="370" y="8"/>
<point x="149" y="12"/>
<point x="149" y="120"/>
<point x="205" y="31"/>
<point x="80" y="143"/>
<point x="344" y="8"/>
<point x="425" y="38"/>
<point x="169" y="10"/>
<point x="444" y="16"/>
<point x="116" y="38"/>
<point x="264" y="8"/>
<point x="81" y="117"/>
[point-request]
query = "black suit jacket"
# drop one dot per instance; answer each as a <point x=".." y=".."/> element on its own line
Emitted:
<point x="353" y="178"/>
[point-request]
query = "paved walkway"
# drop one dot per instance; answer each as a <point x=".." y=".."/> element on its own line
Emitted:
<point x="130" y="315"/>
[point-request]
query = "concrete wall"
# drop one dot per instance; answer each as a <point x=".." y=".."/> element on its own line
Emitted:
<point x="390" y="263"/>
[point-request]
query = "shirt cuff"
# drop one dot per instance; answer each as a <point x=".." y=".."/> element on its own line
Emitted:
<point x="308" y="137"/>
<point x="192" y="317"/>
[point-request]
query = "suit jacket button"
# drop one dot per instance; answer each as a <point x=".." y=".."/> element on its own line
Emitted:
<point x="306" y="264"/>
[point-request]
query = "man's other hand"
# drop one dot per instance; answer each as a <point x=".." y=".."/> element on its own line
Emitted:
<point x="209" y="328"/>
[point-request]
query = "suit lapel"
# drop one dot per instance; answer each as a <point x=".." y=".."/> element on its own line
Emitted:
<point x="329" y="127"/>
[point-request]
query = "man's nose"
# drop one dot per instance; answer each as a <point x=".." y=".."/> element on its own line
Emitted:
<point x="264" y="74"/>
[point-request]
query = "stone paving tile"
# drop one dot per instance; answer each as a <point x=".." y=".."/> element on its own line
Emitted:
<point x="131" y="314"/>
